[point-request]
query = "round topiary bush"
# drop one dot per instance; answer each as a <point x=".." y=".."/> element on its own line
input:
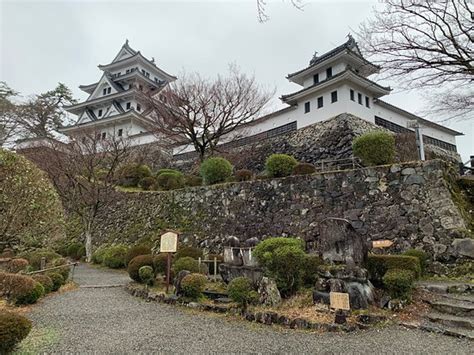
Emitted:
<point x="160" y="263"/>
<point x="399" y="283"/>
<point x="243" y="175"/>
<point x="170" y="181"/>
<point x="186" y="263"/>
<point x="279" y="165"/>
<point x="130" y="175"/>
<point x="304" y="169"/>
<point x="375" y="148"/>
<point x="31" y="211"/>
<point x="16" y="265"/>
<point x="192" y="180"/>
<point x="215" y="170"/>
<point x="146" y="274"/>
<point x="57" y="278"/>
<point x="44" y="280"/>
<point x="192" y="252"/>
<point x="192" y="285"/>
<point x="114" y="256"/>
<point x="421" y="255"/>
<point x="13" y="329"/>
<point x="136" y="263"/>
<point x="136" y="251"/>
<point x="64" y="271"/>
<point x="148" y="183"/>
<point x="20" y="289"/>
<point x="241" y="291"/>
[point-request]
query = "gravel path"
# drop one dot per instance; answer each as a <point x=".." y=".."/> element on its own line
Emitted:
<point x="108" y="320"/>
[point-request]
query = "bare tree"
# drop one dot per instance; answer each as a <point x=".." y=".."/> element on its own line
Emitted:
<point x="84" y="172"/>
<point x="8" y="123"/>
<point x="262" y="15"/>
<point x="203" y="113"/>
<point x="426" y="44"/>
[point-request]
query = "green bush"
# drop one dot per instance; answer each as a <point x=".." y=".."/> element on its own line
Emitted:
<point x="243" y="175"/>
<point x="57" y="278"/>
<point x="98" y="254"/>
<point x="282" y="259"/>
<point x="64" y="271"/>
<point x="136" y="263"/>
<point x="169" y="171"/>
<point x="192" y="285"/>
<point x="114" y="256"/>
<point x="215" y="170"/>
<point x="34" y="257"/>
<point x="13" y="329"/>
<point x="16" y="265"/>
<point x="304" y="169"/>
<point x="130" y="175"/>
<point x="160" y="262"/>
<point x="310" y="269"/>
<point x="192" y="252"/>
<point x="148" y="183"/>
<point x="136" y="251"/>
<point x="279" y="165"/>
<point x="146" y="274"/>
<point x="375" y="148"/>
<point x="170" y="181"/>
<point x="378" y="265"/>
<point x="399" y="283"/>
<point x="241" y="291"/>
<point x="185" y="263"/>
<point x="76" y="250"/>
<point x="20" y="289"/>
<point x="192" y="180"/>
<point x="46" y="281"/>
<point x="421" y="255"/>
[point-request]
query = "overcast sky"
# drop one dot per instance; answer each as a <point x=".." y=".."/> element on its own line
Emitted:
<point x="46" y="42"/>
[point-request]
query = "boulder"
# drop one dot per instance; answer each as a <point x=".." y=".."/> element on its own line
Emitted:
<point x="464" y="247"/>
<point x="268" y="291"/>
<point x="320" y="297"/>
<point x="229" y="272"/>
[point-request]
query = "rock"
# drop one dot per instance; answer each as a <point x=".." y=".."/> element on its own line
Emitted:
<point x="320" y="297"/>
<point x="384" y="300"/>
<point x="321" y="285"/>
<point x="408" y="171"/>
<point x="252" y="242"/>
<point x="172" y="299"/>
<point x="299" y="323"/>
<point x="340" y="318"/>
<point x="223" y="300"/>
<point x="194" y="305"/>
<point x="464" y="247"/>
<point x="360" y="295"/>
<point x="229" y="272"/>
<point x="396" y="305"/>
<point x="414" y="179"/>
<point x="177" y="281"/>
<point x="336" y="285"/>
<point x="249" y="316"/>
<point x="269" y="293"/>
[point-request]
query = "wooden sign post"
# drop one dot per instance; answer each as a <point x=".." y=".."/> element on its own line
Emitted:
<point x="340" y="302"/>
<point x="168" y="245"/>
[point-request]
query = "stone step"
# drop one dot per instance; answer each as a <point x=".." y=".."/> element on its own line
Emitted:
<point x="451" y="331"/>
<point x="458" y="308"/>
<point x="449" y="320"/>
<point x="446" y="287"/>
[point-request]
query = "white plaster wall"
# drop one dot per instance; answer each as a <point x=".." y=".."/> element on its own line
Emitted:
<point x="337" y="67"/>
<point x="402" y="120"/>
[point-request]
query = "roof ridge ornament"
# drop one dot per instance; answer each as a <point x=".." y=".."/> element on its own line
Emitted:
<point x="126" y="41"/>
<point x="314" y="58"/>
<point x="350" y="40"/>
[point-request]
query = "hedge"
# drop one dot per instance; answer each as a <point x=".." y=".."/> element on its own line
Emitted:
<point x="192" y="252"/>
<point x="136" y="263"/>
<point x="136" y="251"/>
<point x="114" y="256"/>
<point x="185" y="263"/>
<point x="421" y="255"/>
<point x="378" y="265"/>
<point x="46" y="281"/>
<point x="192" y="285"/>
<point x="399" y="283"/>
<point x="170" y="181"/>
<point x="20" y="289"/>
<point x="13" y="329"/>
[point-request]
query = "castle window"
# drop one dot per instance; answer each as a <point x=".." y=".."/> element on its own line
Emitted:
<point x="104" y="135"/>
<point x="109" y="90"/>
<point x="120" y="131"/>
<point x="138" y="107"/>
<point x="334" y="96"/>
<point x="352" y="95"/>
<point x="367" y="101"/>
<point x="128" y="105"/>
<point x="100" y="113"/>
<point x="320" y="102"/>
<point x="104" y="91"/>
<point x="307" y="107"/>
<point x="359" y="98"/>
<point x="315" y="78"/>
<point x="329" y="72"/>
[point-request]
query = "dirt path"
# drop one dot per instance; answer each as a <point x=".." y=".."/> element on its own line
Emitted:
<point x="108" y="320"/>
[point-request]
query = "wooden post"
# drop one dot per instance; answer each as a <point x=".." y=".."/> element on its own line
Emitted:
<point x="168" y="267"/>
<point x="43" y="263"/>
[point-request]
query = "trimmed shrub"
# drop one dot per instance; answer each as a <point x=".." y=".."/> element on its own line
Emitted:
<point x="136" y="263"/>
<point x="192" y="180"/>
<point x="241" y="291"/>
<point x="215" y="170"/>
<point x="64" y="271"/>
<point x="20" y="289"/>
<point x="186" y="263"/>
<point x="130" y="175"/>
<point x="399" y="283"/>
<point x="375" y="148"/>
<point x="310" y="269"/>
<point x="304" y="169"/>
<point x="421" y="255"/>
<point x="170" y="181"/>
<point x="16" y="265"/>
<point x="13" y="329"/>
<point x="57" y="278"/>
<point x="34" y="257"/>
<point x="76" y="250"/>
<point x="159" y="263"/>
<point x="148" y="183"/>
<point x="279" y="165"/>
<point x="192" y="252"/>
<point x="170" y="171"/>
<point x="98" y="254"/>
<point x="114" y="256"/>
<point x="136" y="251"/>
<point x="378" y="265"/>
<point x="146" y="274"/>
<point x="44" y="280"/>
<point x="193" y="285"/>
<point x="243" y="175"/>
<point x="283" y="259"/>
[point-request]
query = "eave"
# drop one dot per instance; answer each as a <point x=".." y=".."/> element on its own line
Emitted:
<point x="418" y="118"/>
<point x="76" y="109"/>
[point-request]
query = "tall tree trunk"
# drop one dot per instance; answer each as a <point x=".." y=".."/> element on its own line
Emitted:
<point x="88" y="236"/>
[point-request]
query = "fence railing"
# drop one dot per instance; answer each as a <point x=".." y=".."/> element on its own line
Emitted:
<point x="338" y="164"/>
<point x="55" y="268"/>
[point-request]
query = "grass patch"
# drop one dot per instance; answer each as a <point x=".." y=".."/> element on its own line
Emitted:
<point x="37" y="340"/>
